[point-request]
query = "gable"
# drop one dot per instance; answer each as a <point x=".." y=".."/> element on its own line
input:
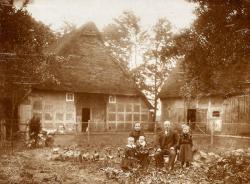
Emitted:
<point x="89" y="67"/>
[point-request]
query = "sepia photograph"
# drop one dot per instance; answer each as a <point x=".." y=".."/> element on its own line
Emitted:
<point x="125" y="91"/>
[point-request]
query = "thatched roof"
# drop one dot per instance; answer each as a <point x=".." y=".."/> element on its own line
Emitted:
<point x="176" y="80"/>
<point x="173" y="84"/>
<point x="90" y="68"/>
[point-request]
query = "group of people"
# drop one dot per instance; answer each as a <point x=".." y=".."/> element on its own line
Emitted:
<point x="168" y="143"/>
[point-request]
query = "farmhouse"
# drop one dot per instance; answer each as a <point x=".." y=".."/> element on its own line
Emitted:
<point x="229" y="115"/>
<point x="92" y="87"/>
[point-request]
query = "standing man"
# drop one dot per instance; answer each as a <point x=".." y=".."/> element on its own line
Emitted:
<point x="136" y="132"/>
<point x="34" y="129"/>
<point x="167" y="145"/>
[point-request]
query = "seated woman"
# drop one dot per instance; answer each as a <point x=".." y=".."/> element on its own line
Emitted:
<point x="136" y="132"/>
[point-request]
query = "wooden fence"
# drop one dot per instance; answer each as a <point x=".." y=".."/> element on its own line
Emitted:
<point x="109" y="126"/>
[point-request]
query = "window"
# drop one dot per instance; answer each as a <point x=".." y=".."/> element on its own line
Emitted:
<point x="136" y="114"/>
<point x="216" y="113"/>
<point x="37" y="105"/>
<point x="38" y="114"/>
<point x="129" y="108"/>
<point x="112" y="112"/>
<point x="112" y="108"/>
<point x="112" y="99"/>
<point x="137" y="108"/>
<point x="128" y="117"/>
<point x="70" y="107"/>
<point x="69" y="97"/>
<point x="120" y="112"/>
<point x="120" y="107"/>
<point x="120" y="117"/>
<point x="69" y="116"/>
<point x="144" y="114"/>
<point x="112" y="117"/>
<point x="127" y="112"/>
<point x="48" y="107"/>
<point x="59" y="116"/>
<point x="136" y="117"/>
<point x="48" y="116"/>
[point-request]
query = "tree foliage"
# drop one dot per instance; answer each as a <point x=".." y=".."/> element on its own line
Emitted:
<point x="23" y="62"/>
<point x="216" y="48"/>
<point x="151" y="75"/>
<point x="125" y="37"/>
<point x="21" y="34"/>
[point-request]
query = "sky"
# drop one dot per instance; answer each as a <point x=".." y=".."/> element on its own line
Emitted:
<point x="102" y="12"/>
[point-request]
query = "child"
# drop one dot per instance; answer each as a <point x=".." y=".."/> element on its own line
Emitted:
<point x="142" y="153"/>
<point x="128" y="161"/>
<point x="185" y="144"/>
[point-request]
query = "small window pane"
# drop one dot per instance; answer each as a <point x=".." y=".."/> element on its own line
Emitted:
<point x="136" y="108"/>
<point x="70" y="107"/>
<point x="48" y="107"/>
<point x="69" y="96"/>
<point x="37" y="105"/>
<point x="120" y="108"/>
<point x="38" y="114"/>
<point x="59" y="116"/>
<point x="112" y="108"/>
<point x="136" y="117"/>
<point x="48" y="117"/>
<point x="128" y="117"/>
<point x="69" y="116"/>
<point x="128" y="108"/>
<point x="112" y="99"/>
<point x="120" y="117"/>
<point x="112" y="117"/>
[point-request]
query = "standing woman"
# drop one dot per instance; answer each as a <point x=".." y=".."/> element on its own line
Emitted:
<point x="185" y="145"/>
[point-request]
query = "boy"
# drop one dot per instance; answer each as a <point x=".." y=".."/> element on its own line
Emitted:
<point x="142" y="153"/>
<point x="129" y="159"/>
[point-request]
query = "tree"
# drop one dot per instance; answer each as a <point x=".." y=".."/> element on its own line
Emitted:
<point x="151" y="75"/>
<point x="24" y="64"/>
<point x="124" y="38"/>
<point x="216" y="49"/>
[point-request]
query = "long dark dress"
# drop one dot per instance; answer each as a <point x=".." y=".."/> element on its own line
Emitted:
<point x="136" y="134"/>
<point x="185" y="144"/>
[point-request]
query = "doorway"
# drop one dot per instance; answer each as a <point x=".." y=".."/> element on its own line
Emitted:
<point x="85" y="118"/>
<point x="191" y="117"/>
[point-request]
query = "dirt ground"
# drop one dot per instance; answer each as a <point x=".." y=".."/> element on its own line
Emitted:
<point x="37" y="166"/>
